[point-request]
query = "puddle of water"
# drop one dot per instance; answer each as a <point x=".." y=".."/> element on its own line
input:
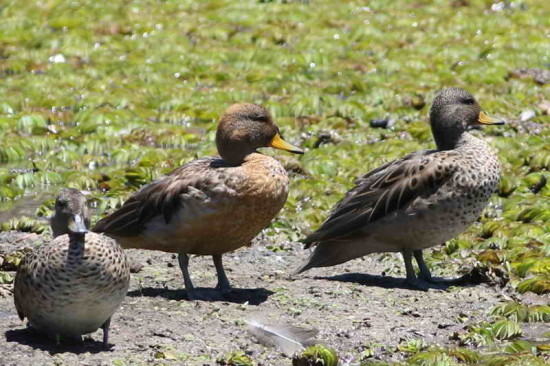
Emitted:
<point x="24" y="206"/>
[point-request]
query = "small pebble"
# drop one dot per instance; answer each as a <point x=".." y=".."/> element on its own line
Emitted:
<point x="527" y="115"/>
<point x="379" y="123"/>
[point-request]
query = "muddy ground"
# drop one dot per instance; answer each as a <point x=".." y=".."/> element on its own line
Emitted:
<point x="353" y="305"/>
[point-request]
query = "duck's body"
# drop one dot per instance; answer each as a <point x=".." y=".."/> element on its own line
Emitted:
<point x="431" y="217"/>
<point x="208" y="207"/>
<point x="72" y="285"/>
<point x="212" y="205"/>
<point x="415" y="202"/>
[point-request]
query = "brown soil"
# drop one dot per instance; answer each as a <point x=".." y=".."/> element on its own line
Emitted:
<point x="352" y="305"/>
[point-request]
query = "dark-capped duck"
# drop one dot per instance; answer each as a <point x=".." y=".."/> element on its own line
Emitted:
<point x="418" y="201"/>
<point x="72" y="285"/>
<point x="210" y="206"/>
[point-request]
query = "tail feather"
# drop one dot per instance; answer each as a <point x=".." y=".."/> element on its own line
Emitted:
<point x="123" y="222"/>
<point x="331" y="253"/>
<point x="322" y="256"/>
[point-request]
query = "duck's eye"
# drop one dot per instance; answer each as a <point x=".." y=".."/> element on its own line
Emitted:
<point x="261" y="118"/>
<point x="469" y="101"/>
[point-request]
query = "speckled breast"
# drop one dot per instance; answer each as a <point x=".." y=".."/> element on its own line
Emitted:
<point x="72" y="289"/>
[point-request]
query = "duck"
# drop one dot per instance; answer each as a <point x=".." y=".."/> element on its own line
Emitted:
<point x="73" y="284"/>
<point x="418" y="201"/>
<point x="211" y="205"/>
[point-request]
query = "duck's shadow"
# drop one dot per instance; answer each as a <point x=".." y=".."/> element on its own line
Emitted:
<point x="30" y="337"/>
<point x="397" y="283"/>
<point x="252" y="296"/>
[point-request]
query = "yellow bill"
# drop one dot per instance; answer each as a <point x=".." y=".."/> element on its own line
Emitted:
<point x="486" y="120"/>
<point x="278" y="143"/>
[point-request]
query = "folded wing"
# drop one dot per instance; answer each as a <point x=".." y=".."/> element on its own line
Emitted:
<point x="389" y="188"/>
<point x="162" y="197"/>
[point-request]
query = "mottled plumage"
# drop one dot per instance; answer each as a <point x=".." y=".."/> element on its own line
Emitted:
<point x="418" y="201"/>
<point x="212" y="205"/>
<point x="72" y="285"/>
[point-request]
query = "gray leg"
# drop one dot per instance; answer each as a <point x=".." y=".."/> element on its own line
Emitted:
<point x="411" y="276"/>
<point x="72" y="339"/>
<point x="425" y="274"/>
<point x="183" y="260"/>
<point x="424" y="271"/>
<point x="105" y="328"/>
<point x="223" y="282"/>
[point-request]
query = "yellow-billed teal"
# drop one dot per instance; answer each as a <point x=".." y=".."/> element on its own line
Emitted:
<point x="418" y="201"/>
<point x="210" y="206"/>
<point x="72" y="285"/>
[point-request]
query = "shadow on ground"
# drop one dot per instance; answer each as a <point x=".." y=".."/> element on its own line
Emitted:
<point x="33" y="339"/>
<point x="393" y="282"/>
<point x="254" y="296"/>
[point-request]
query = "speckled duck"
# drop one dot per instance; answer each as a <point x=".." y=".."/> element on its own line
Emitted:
<point x="418" y="201"/>
<point x="72" y="285"/>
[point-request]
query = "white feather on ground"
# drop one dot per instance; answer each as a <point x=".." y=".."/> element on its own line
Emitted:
<point x="289" y="339"/>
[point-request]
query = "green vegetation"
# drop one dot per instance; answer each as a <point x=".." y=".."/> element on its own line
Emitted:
<point x="106" y="96"/>
<point x="237" y="358"/>
<point x="317" y="355"/>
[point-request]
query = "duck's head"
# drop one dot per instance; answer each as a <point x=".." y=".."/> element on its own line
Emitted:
<point x="71" y="213"/>
<point x="455" y="111"/>
<point x="246" y="127"/>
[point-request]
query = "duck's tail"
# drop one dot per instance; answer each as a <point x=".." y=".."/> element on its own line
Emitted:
<point x="326" y="254"/>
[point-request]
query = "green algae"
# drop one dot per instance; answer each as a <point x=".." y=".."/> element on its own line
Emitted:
<point x="316" y="355"/>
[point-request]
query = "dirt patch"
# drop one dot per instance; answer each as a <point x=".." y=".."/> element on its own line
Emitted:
<point x="353" y="306"/>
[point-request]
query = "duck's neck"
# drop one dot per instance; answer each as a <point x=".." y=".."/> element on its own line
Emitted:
<point x="455" y="142"/>
<point x="76" y="245"/>
<point x="235" y="156"/>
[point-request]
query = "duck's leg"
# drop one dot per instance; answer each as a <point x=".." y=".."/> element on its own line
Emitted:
<point x="105" y="328"/>
<point x="411" y="276"/>
<point x="425" y="274"/>
<point x="223" y="282"/>
<point x="424" y="270"/>
<point x="183" y="260"/>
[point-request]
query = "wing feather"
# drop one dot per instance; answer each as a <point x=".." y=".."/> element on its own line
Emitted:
<point x="162" y="197"/>
<point x="384" y="190"/>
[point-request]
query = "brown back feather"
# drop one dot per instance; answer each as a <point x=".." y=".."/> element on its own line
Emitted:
<point x="159" y="198"/>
